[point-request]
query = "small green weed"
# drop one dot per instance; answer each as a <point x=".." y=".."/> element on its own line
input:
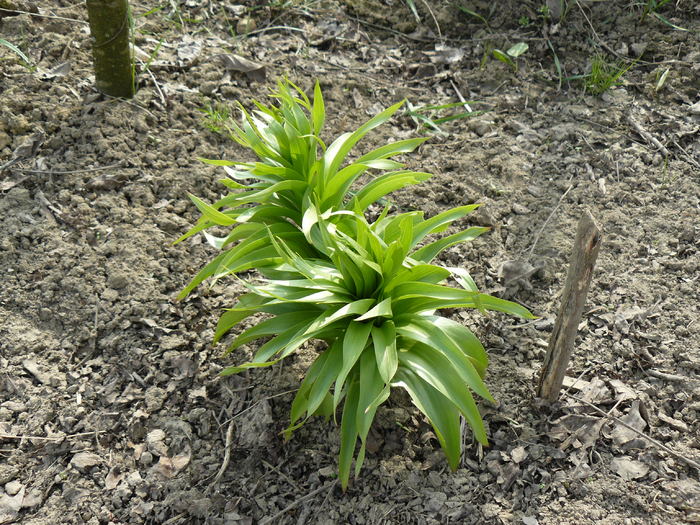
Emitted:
<point x="426" y="116"/>
<point x="510" y="57"/>
<point x="475" y="15"/>
<point x="26" y="61"/>
<point x="217" y="118"/>
<point x="604" y="75"/>
<point x="652" y="7"/>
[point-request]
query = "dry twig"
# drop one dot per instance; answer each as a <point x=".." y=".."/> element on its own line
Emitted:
<point x="310" y="495"/>
<point x="651" y="440"/>
<point x="227" y="454"/>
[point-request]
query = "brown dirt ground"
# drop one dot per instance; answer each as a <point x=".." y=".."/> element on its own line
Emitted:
<point x="111" y="410"/>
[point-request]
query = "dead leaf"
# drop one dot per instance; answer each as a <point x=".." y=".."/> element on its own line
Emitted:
<point x="518" y="454"/>
<point x="198" y="392"/>
<point x="622" y="435"/>
<point x="61" y="70"/>
<point x="253" y="70"/>
<point x="622" y="391"/>
<point x="33" y="368"/>
<point x="113" y="478"/>
<point x="595" y="391"/>
<point x="445" y="55"/>
<point x="628" y="469"/>
<point x="188" y="51"/>
<point x="171" y="467"/>
<point x="674" y="423"/>
<point x="85" y="460"/>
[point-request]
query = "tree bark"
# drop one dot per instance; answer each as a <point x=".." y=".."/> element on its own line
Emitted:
<point x="111" y="50"/>
<point x="561" y="343"/>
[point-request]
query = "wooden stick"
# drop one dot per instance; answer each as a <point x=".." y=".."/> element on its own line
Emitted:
<point x="561" y="343"/>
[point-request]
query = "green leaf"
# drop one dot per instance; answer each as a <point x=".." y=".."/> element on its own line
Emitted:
<point x="348" y="434"/>
<point x="439" y="222"/>
<point x="382" y="309"/>
<point x="371" y="386"/>
<point x="464" y="339"/>
<point x="413" y="297"/>
<point x="387" y="183"/>
<point x="428" y="252"/>
<point x="203" y="274"/>
<point x="389" y="150"/>
<point x="500" y="55"/>
<point x="273" y="326"/>
<point x="438" y="372"/>
<point x="440" y="411"/>
<point x="354" y="343"/>
<point x="15" y="50"/>
<point x="212" y="214"/>
<point x="337" y="151"/>
<point x="326" y="377"/>
<point x="424" y="331"/>
<point x="318" y="114"/>
<point x="518" y="49"/>
<point x="300" y="403"/>
<point x="384" y="340"/>
<point x="428" y="273"/>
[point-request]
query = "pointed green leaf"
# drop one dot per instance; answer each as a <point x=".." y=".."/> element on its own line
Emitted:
<point x="437" y="371"/>
<point x="428" y="252"/>
<point x="384" y="340"/>
<point x="440" y="411"/>
<point x="354" y="343"/>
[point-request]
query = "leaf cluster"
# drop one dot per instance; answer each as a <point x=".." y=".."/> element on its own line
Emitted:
<point x="369" y="290"/>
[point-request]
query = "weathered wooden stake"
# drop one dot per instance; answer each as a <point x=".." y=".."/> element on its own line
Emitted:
<point x="561" y="343"/>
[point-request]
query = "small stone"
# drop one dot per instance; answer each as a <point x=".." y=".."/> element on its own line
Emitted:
<point x="628" y="469"/>
<point x="245" y="25"/>
<point x="5" y="140"/>
<point x="480" y="127"/>
<point x="436" y="502"/>
<point x="519" y="209"/>
<point x="638" y="48"/>
<point x="155" y="444"/>
<point x="14" y="406"/>
<point x="327" y="472"/>
<point x="7" y="472"/>
<point x="117" y="280"/>
<point x="84" y="460"/>
<point x="13" y="487"/>
<point x="146" y="459"/>
<point x="154" y="398"/>
<point x="518" y="454"/>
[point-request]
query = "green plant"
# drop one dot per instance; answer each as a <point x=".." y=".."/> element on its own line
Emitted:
<point x="289" y="177"/>
<point x="652" y="7"/>
<point x="426" y="115"/>
<point x="510" y="56"/>
<point x="373" y="299"/>
<point x="476" y="15"/>
<point x="369" y="291"/>
<point x="217" y="117"/>
<point x="25" y="59"/>
<point x="604" y="75"/>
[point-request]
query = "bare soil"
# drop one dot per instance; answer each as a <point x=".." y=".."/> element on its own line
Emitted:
<point x="111" y="410"/>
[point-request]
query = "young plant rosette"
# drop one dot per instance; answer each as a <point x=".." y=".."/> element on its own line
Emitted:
<point x="369" y="291"/>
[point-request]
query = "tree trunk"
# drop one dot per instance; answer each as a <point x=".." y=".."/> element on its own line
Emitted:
<point x="109" y="25"/>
